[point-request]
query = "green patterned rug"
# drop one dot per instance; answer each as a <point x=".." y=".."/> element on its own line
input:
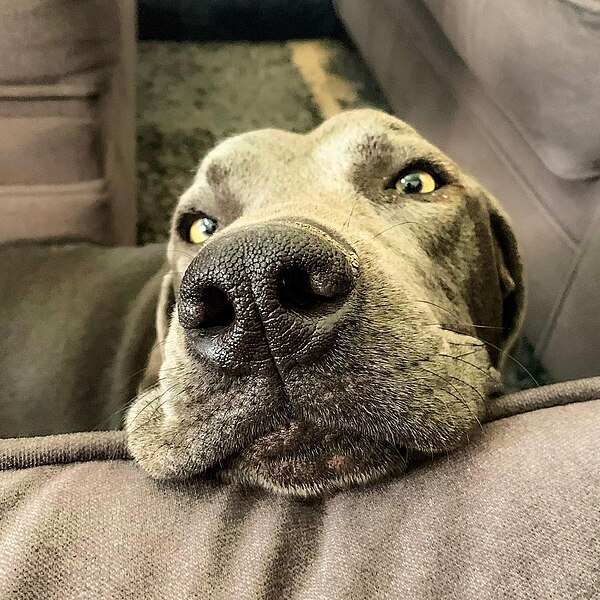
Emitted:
<point x="190" y="96"/>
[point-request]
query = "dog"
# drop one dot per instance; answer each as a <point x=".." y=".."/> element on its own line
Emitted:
<point x="337" y="305"/>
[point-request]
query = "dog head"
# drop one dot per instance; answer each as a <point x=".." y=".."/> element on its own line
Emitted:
<point x="337" y="303"/>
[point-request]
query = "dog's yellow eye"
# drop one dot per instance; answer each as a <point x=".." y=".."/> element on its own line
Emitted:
<point x="416" y="182"/>
<point x="201" y="229"/>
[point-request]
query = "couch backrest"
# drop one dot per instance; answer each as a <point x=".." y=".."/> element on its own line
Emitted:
<point x="67" y="147"/>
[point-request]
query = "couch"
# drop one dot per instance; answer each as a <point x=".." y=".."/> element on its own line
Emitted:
<point x="514" y="516"/>
<point x="67" y="126"/>
<point x="511" y="90"/>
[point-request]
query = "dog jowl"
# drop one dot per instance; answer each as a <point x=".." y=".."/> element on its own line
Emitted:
<point x="336" y="305"/>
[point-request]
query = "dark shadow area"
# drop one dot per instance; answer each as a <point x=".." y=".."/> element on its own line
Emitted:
<point x="228" y="20"/>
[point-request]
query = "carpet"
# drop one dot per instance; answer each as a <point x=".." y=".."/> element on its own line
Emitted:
<point x="192" y="95"/>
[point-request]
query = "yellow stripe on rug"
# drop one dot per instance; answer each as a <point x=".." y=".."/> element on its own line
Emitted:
<point x="330" y="92"/>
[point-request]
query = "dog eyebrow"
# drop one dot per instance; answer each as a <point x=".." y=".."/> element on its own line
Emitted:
<point x="229" y="205"/>
<point x="400" y="128"/>
<point x="216" y="176"/>
<point x="373" y="154"/>
<point x="375" y="147"/>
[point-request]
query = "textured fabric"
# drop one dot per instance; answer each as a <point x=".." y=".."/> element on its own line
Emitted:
<point x="59" y="212"/>
<point x="514" y="515"/>
<point x="557" y="221"/>
<point x="577" y="320"/>
<point x="51" y="150"/>
<point x="552" y="97"/>
<point x="546" y="396"/>
<point x="46" y="41"/>
<point x="67" y="119"/>
<point x="25" y="453"/>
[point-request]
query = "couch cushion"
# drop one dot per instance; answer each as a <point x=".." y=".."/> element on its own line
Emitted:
<point x="514" y="515"/>
<point x="49" y="150"/>
<point x="67" y="120"/>
<point x="84" y="315"/>
<point x="46" y="41"/>
<point x="538" y="60"/>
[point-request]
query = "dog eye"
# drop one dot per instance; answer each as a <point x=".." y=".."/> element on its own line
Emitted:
<point x="201" y="229"/>
<point x="416" y="182"/>
<point x="196" y="228"/>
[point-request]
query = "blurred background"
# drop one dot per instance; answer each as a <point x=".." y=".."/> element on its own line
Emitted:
<point x="107" y="106"/>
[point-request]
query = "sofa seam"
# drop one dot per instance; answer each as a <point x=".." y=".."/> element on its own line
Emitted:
<point x="525" y="410"/>
<point x="64" y="464"/>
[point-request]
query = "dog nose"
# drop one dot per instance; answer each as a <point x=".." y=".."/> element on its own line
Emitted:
<point x="277" y="292"/>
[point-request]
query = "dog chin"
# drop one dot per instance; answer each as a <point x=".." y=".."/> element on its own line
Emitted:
<point x="304" y="461"/>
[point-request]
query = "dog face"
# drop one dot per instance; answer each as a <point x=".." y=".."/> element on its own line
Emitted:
<point x="337" y="304"/>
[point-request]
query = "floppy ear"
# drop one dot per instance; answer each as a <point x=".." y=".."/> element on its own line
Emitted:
<point x="164" y="310"/>
<point x="510" y="277"/>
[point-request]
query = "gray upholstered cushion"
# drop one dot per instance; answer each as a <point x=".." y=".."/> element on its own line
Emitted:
<point x="73" y="319"/>
<point x="66" y="120"/>
<point x="538" y="60"/>
<point x="514" y="515"/>
<point x="49" y="41"/>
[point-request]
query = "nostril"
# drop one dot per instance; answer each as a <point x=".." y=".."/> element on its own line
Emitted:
<point x="216" y="310"/>
<point x="296" y="292"/>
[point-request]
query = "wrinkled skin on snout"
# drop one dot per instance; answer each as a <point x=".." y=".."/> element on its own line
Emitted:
<point x="408" y="304"/>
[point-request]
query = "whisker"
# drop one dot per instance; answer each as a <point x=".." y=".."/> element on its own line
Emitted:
<point x="136" y="373"/>
<point x="455" y="316"/>
<point x="128" y="404"/>
<point x="176" y="439"/>
<point x="178" y="251"/>
<point x="164" y="399"/>
<point x="470" y="364"/>
<point x="394" y="226"/>
<point x="178" y="436"/>
<point x="477" y="346"/>
<point x="470" y="352"/>
<point x="347" y="221"/>
<point x="501" y="353"/>
<point x="462" y="399"/>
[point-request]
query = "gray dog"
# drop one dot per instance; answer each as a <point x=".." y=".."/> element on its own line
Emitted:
<point x="337" y="304"/>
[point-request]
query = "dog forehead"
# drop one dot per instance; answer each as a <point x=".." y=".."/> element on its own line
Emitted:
<point x="362" y="136"/>
<point x="252" y="149"/>
<point x="362" y="120"/>
<point x="272" y="156"/>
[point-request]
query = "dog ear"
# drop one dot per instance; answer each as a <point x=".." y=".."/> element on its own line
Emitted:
<point x="510" y="278"/>
<point x="164" y="311"/>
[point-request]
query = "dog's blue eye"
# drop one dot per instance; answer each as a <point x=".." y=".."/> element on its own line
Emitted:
<point x="416" y="182"/>
<point x="201" y="229"/>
